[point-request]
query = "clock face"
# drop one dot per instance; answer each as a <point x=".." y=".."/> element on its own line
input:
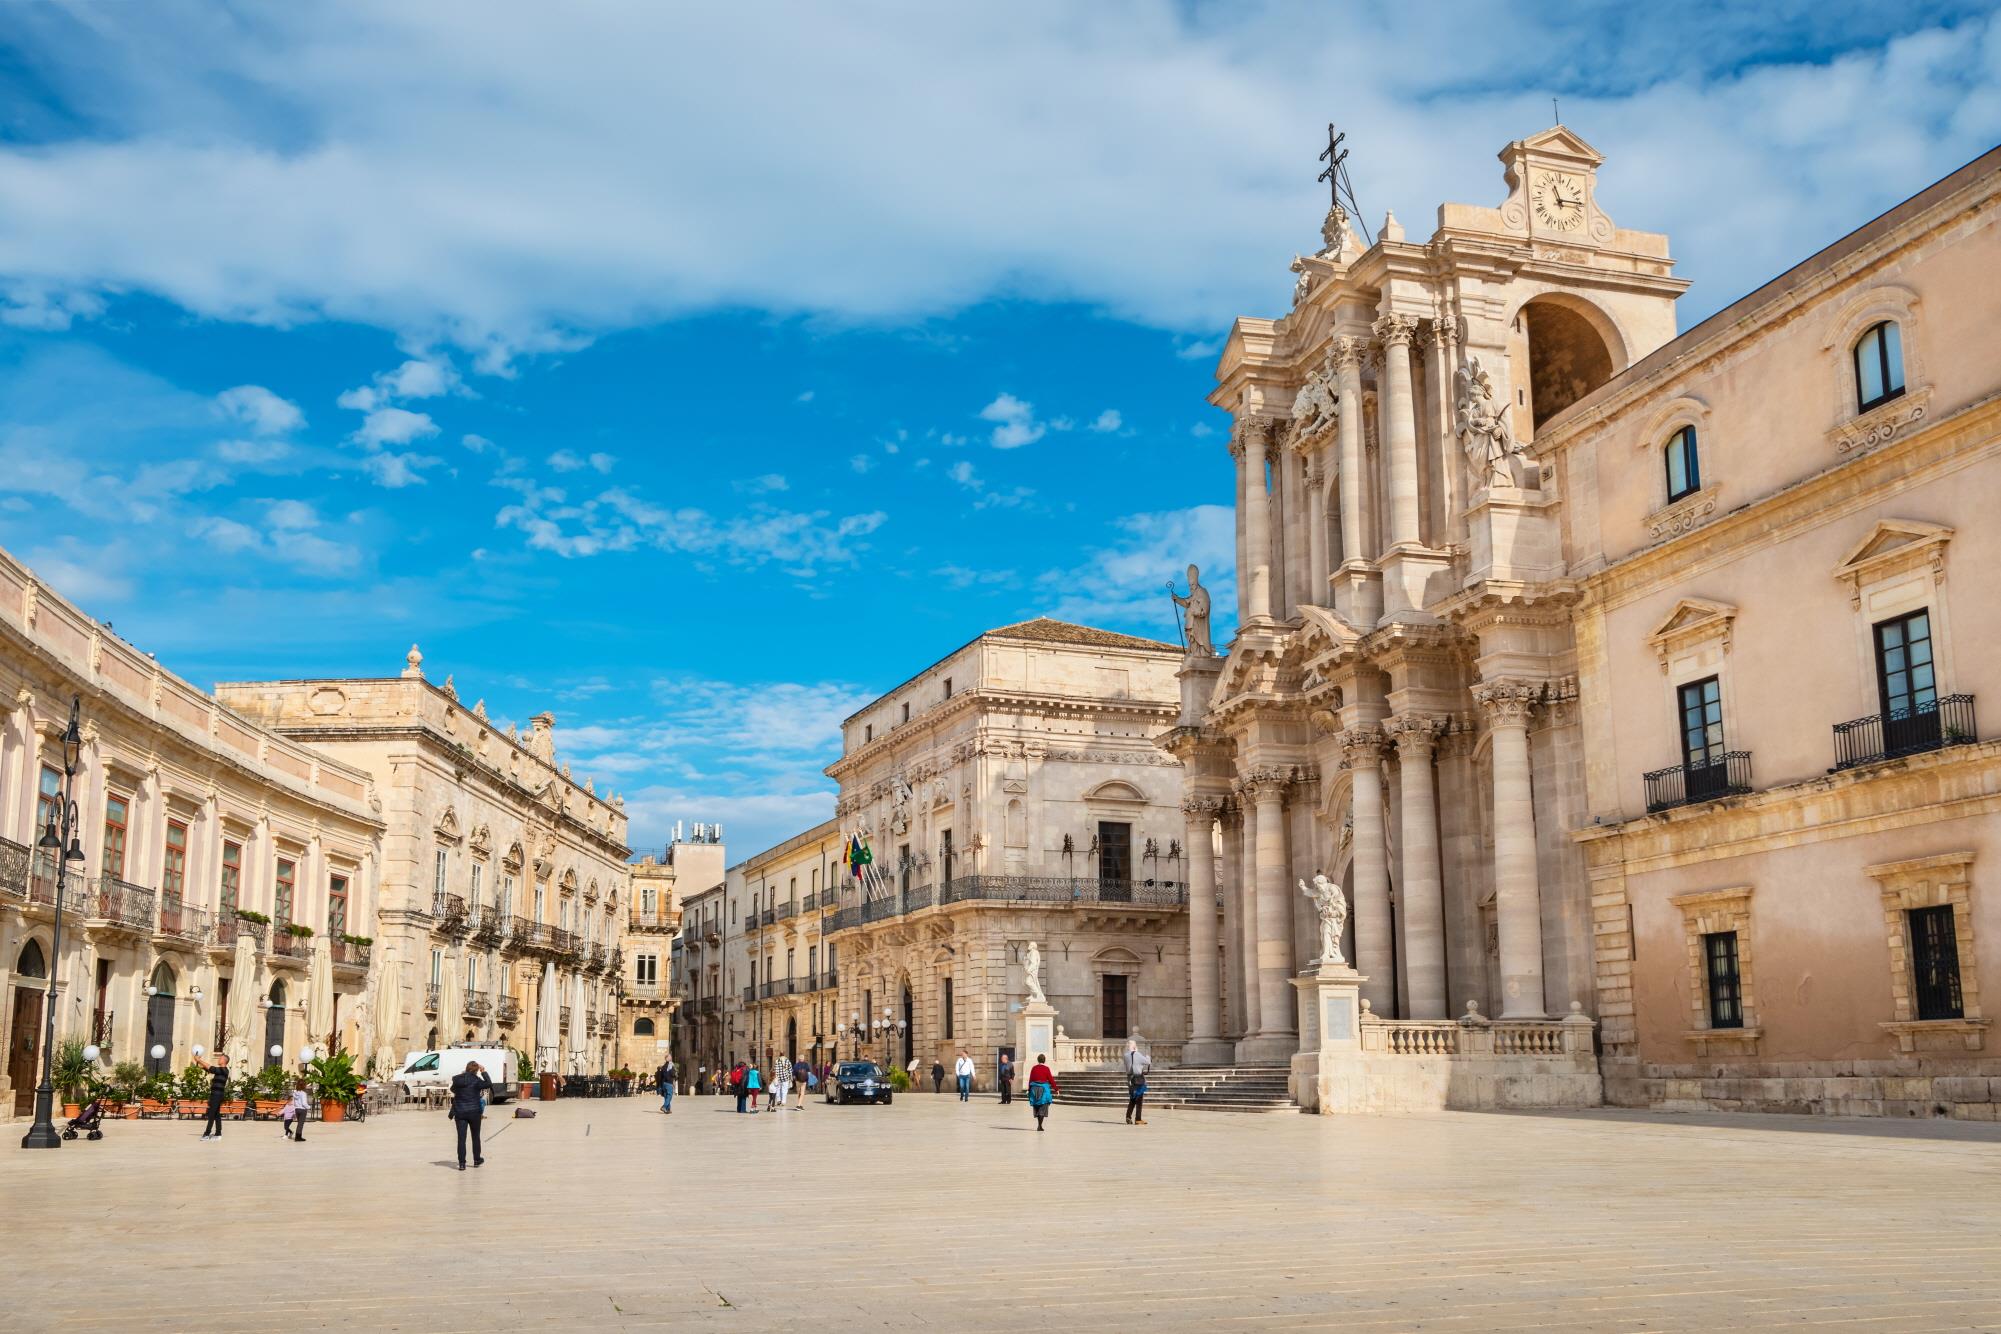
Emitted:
<point x="1559" y="201"/>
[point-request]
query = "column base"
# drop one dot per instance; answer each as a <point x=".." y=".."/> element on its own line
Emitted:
<point x="1414" y="577"/>
<point x="1267" y="1048"/>
<point x="1328" y="1075"/>
<point x="1036" y="1027"/>
<point x="1207" y="1051"/>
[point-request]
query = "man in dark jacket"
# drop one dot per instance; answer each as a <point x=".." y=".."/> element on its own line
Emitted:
<point x="664" y="1078"/>
<point x="469" y="1089"/>
<point x="937" y="1076"/>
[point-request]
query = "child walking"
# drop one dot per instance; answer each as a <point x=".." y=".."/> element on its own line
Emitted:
<point x="294" y="1115"/>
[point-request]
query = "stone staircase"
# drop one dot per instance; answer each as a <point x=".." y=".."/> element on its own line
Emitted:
<point x="1204" y="1088"/>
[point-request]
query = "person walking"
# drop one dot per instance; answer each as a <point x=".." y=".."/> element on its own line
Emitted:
<point x="1004" y="1076"/>
<point x="937" y="1077"/>
<point x="963" y="1070"/>
<point x="753" y="1080"/>
<point x="802" y="1076"/>
<point x="218" y="1089"/>
<point x="739" y="1086"/>
<point x="781" y="1083"/>
<point x="469" y="1089"/>
<point x="1042" y="1089"/>
<point x="665" y="1077"/>
<point x="293" y="1119"/>
<point x="1135" y="1063"/>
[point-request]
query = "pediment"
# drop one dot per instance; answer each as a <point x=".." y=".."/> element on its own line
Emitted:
<point x="1115" y="791"/>
<point x="1325" y="624"/>
<point x="1890" y="539"/>
<point x="1694" y="616"/>
<point x="447" y="826"/>
<point x="1561" y="141"/>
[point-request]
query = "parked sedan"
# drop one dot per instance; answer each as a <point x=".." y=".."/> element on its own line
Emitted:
<point x="859" y="1081"/>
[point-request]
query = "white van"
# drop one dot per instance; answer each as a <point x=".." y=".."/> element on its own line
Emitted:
<point x="434" y="1069"/>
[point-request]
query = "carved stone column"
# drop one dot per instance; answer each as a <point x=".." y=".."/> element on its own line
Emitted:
<point x="1517" y="886"/>
<point x="1247" y="910"/>
<point x="1205" y="1022"/>
<point x="1276" y="1034"/>
<point x="1257" y="518"/>
<point x="1233" y="915"/>
<point x="1423" y="883"/>
<point x="1348" y="354"/>
<point x="1237" y="453"/>
<point x="1375" y="925"/>
<point x="1451" y="469"/>
<point x="1317" y="591"/>
<point x="1399" y="427"/>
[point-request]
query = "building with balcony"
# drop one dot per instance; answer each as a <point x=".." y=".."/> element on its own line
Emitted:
<point x="648" y="997"/>
<point x="504" y="892"/>
<point x="787" y="896"/>
<point x="227" y="870"/>
<point x="1012" y="792"/>
<point x="1610" y="672"/>
<point x="709" y="1030"/>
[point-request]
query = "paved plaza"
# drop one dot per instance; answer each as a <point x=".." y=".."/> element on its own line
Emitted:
<point x="930" y="1214"/>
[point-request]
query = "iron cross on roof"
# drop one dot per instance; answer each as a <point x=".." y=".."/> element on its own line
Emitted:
<point x="1333" y="155"/>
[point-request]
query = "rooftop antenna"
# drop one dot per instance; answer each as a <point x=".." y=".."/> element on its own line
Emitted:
<point x="1340" y="189"/>
<point x="1556" y="117"/>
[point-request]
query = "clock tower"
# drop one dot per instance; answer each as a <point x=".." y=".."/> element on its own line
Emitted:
<point x="1552" y="188"/>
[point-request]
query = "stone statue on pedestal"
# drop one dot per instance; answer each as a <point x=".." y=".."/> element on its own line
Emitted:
<point x="1333" y="907"/>
<point x="1197" y="603"/>
<point x="1482" y="426"/>
<point x="1033" y="966"/>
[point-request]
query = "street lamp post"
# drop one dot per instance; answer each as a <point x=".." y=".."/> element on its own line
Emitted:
<point x="59" y="843"/>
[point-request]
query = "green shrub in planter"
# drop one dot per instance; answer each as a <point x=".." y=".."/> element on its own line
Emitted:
<point x="331" y="1078"/>
<point x="72" y="1070"/>
<point x="194" y="1083"/>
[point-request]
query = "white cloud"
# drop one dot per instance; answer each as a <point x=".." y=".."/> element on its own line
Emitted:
<point x="1199" y="349"/>
<point x="419" y="377"/>
<point x="1149" y="158"/>
<point x="478" y="444"/>
<point x="564" y="460"/>
<point x="601" y="462"/>
<point x="805" y="396"/>
<point x="290" y="535"/>
<point x="1014" y="422"/>
<point x="261" y="410"/>
<point x="1108" y="421"/>
<point x="395" y="471"/>
<point x="860" y="462"/>
<point x="395" y="426"/>
<point x="252" y="452"/>
<point x="962" y="473"/>
<point x="766" y="484"/>
<point x="1120" y="586"/>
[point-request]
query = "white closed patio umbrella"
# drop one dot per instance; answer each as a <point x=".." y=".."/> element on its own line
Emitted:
<point x="388" y="1023"/>
<point x="320" y="996"/>
<point x="243" y="993"/>
<point x="577" y="1013"/>
<point x="449" y="982"/>
<point x="548" y="1026"/>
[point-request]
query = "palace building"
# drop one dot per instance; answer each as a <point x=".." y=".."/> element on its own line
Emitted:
<point x="1615" y="675"/>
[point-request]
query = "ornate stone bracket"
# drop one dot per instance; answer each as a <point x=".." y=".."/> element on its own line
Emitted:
<point x="1881" y="424"/>
<point x="1684" y="515"/>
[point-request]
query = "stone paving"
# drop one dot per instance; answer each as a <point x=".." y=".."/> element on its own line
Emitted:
<point x="930" y="1214"/>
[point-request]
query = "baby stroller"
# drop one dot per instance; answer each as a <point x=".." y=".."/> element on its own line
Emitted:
<point x="87" y="1121"/>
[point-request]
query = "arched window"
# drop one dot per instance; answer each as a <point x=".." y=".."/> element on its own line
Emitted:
<point x="163" y="980"/>
<point x="278" y="992"/>
<point x="642" y="1028"/>
<point x="31" y="963"/>
<point x="1879" y="365"/>
<point x="1684" y="471"/>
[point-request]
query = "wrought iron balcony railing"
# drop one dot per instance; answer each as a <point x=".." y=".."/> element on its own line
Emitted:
<point x="14" y="861"/>
<point x="1908" y="731"/>
<point x="1728" y="775"/>
<point x="228" y="926"/>
<point x="478" y="1004"/>
<point x="1064" y="889"/>
<point x="348" y="953"/>
<point x="180" y="922"/>
<point x="508" y="1010"/>
<point x="285" y="945"/>
<point x="431" y="998"/>
<point x="120" y="903"/>
<point x="449" y="909"/>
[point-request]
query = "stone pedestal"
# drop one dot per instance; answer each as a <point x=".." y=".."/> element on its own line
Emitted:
<point x="1035" y="1035"/>
<point x="1414" y="576"/>
<point x="1358" y="594"/>
<point x="1327" y="1072"/>
<point x="1197" y="674"/>
<point x="1513" y="535"/>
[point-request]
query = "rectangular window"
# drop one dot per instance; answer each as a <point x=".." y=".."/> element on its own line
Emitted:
<point x="1907" y="683"/>
<point x="1702" y="737"/>
<point x="232" y="875"/>
<point x="645" y="969"/>
<point x="437" y="967"/>
<point x="1684" y="467"/>
<point x="812" y="960"/>
<point x="174" y="866"/>
<point x="117" y="815"/>
<point x="903" y="861"/>
<point x="336" y="906"/>
<point x="944" y="855"/>
<point x="1115" y="852"/>
<point x="948" y="687"/>
<point x="538" y="904"/>
<point x="506" y="895"/>
<point x="906" y="711"/>
<point x="1935" y="963"/>
<point x="439" y="873"/>
<point x="48" y="802"/>
<point x="1719" y="950"/>
<point x="788" y="964"/>
<point x="288" y="878"/>
<point x="472" y="889"/>
<point x="951" y="1028"/>
<point x="868" y="733"/>
<point x="646" y="896"/>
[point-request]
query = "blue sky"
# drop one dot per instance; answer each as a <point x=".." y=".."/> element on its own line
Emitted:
<point x="698" y="378"/>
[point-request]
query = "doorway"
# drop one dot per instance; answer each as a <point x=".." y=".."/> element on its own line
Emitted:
<point x="160" y="1022"/>
<point x="1113" y="1011"/>
<point x="909" y="1028"/>
<point x="24" y="1049"/>
<point x="792" y="1038"/>
<point x="274" y="1026"/>
<point x="1115" y="860"/>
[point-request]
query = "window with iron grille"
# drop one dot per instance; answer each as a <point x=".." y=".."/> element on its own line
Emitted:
<point x="1935" y="963"/>
<point x="1726" y="993"/>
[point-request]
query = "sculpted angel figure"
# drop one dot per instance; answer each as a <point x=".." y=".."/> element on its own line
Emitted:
<point x="1482" y="424"/>
<point x="1332" y="904"/>
<point x="1033" y="967"/>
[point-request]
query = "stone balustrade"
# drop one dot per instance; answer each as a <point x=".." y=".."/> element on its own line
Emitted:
<point x="1107" y="1053"/>
<point x="1472" y="1063"/>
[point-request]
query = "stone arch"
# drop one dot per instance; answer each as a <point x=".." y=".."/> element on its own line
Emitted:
<point x="1571" y="347"/>
<point x="1016" y="834"/>
<point x="163" y="979"/>
<point x="1115" y="789"/>
<point x="642" y="1028"/>
<point x="32" y="961"/>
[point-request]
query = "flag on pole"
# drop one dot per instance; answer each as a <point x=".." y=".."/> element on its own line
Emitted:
<point x="858" y="856"/>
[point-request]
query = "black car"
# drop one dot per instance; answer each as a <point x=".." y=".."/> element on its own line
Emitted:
<point x="859" y="1081"/>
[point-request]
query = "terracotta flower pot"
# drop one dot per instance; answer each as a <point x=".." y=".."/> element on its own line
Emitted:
<point x="333" y="1111"/>
<point x="269" y="1106"/>
<point x="527" y="1090"/>
<point x="71" y="1110"/>
<point x="233" y="1108"/>
<point x="189" y="1107"/>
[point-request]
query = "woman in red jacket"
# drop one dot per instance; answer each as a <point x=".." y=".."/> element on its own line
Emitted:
<point x="1042" y="1089"/>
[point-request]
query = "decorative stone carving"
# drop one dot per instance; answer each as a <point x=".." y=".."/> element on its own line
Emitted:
<point x="1334" y="231"/>
<point x="1269" y="779"/>
<point x="1301" y="288"/>
<point x="1684" y="515"/>
<point x="1482" y="425"/>
<point x="1315" y="411"/>
<point x="1332" y="905"/>
<point x="1395" y="329"/>
<point x="1197" y="603"/>
<point x="1202" y="805"/>
<point x="1414" y="734"/>
<point x="1344" y="352"/>
<point x="450" y="687"/>
<point x="413" y="664"/>
<point x="1508" y="702"/>
<point x="1032" y="968"/>
<point x="1363" y="745"/>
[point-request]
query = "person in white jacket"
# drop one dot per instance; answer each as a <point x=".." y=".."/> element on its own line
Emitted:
<point x="781" y="1083"/>
<point x="963" y="1068"/>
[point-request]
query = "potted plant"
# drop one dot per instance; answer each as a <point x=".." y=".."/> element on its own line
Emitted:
<point x="126" y="1077"/>
<point x="252" y="915"/>
<point x="621" y="1079"/>
<point x="524" y="1071"/>
<point x="298" y="930"/>
<point x="274" y="1089"/>
<point x="70" y="1073"/>
<point x="331" y="1079"/>
<point x="236" y="1101"/>
<point x="156" y="1094"/>
<point x="191" y="1097"/>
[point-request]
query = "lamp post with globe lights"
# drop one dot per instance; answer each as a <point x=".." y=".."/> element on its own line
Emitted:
<point x="59" y="845"/>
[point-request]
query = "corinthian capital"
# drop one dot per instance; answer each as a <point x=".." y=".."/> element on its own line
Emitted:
<point x="1507" y="702"/>
<point x="1267" y="781"/>
<point x="1348" y="353"/>
<point x="1414" y="733"/>
<point x="1394" y="329"/>
<point x="1364" y="746"/>
<point x="1198" y="806"/>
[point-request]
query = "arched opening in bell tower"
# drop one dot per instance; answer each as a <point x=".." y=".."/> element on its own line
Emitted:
<point x="1572" y="350"/>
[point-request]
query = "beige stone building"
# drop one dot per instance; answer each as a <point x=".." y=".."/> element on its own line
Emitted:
<point x="1012" y="793"/>
<point x="504" y="890"/>
<point x="1526" y="585"/>
<point x="649" y="998"/>
<point x="786" y="895"/>
<point x="707" y="1033"/>
<point x="189" y="815"/>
